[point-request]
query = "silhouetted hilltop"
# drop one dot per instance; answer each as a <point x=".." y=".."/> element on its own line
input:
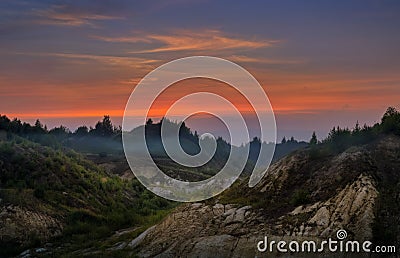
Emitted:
<point x="105" y="139"/>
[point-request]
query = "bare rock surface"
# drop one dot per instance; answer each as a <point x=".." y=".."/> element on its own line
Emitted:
<point x="199" y="230"/>
<point x="23" y="225"/>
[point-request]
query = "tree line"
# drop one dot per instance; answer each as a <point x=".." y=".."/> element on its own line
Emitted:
<point x="103" y="128"/>
<point x="337" y="137"/>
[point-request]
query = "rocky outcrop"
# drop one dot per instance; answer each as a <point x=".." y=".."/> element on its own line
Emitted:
<point x="200" y="230"/>
<point x="340" y="192"/>
<point x="352" y="209"/>
<point x="195" y="228"/>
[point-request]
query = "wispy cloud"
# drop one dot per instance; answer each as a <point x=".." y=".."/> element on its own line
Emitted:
<point x="247" y="59"/>
<point x="64" y="15"/>
<point x="133" y="62"/>
<point x="184" y="40"/>
<point x="127" y="39"/>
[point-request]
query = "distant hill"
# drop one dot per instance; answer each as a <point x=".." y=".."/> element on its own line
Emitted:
<point x="189" y="142"/>
<point x="105" y="140"/>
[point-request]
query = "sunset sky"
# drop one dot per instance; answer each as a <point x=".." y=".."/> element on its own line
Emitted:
<point x="322" y="63"/>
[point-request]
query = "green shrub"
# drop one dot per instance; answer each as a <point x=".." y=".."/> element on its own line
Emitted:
<point x="300" y="197"/>
<point x="39" y="193"/>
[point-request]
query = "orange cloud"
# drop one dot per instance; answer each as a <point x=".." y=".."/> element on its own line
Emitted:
<point x="61" y="15"/>
<point x="70" y="114"/>
<point x="127" y="39"/>
<point x="182" y="40"/>
<point x="247" y="59"/>
<point x="133" y="62"/>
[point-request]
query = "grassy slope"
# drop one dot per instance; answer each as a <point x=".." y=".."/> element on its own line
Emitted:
<point x="63" y="184"/>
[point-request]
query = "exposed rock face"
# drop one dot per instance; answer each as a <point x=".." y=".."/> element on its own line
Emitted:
<point x="352" y="209"/>
<point x="195" y="228"/>
<point x="200" y="230"/>
<point x="18" y="224"/>
<point x="341" y="192"/>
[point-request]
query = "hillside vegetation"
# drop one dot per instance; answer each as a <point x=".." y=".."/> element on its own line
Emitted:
<point x="49" y="194"/>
